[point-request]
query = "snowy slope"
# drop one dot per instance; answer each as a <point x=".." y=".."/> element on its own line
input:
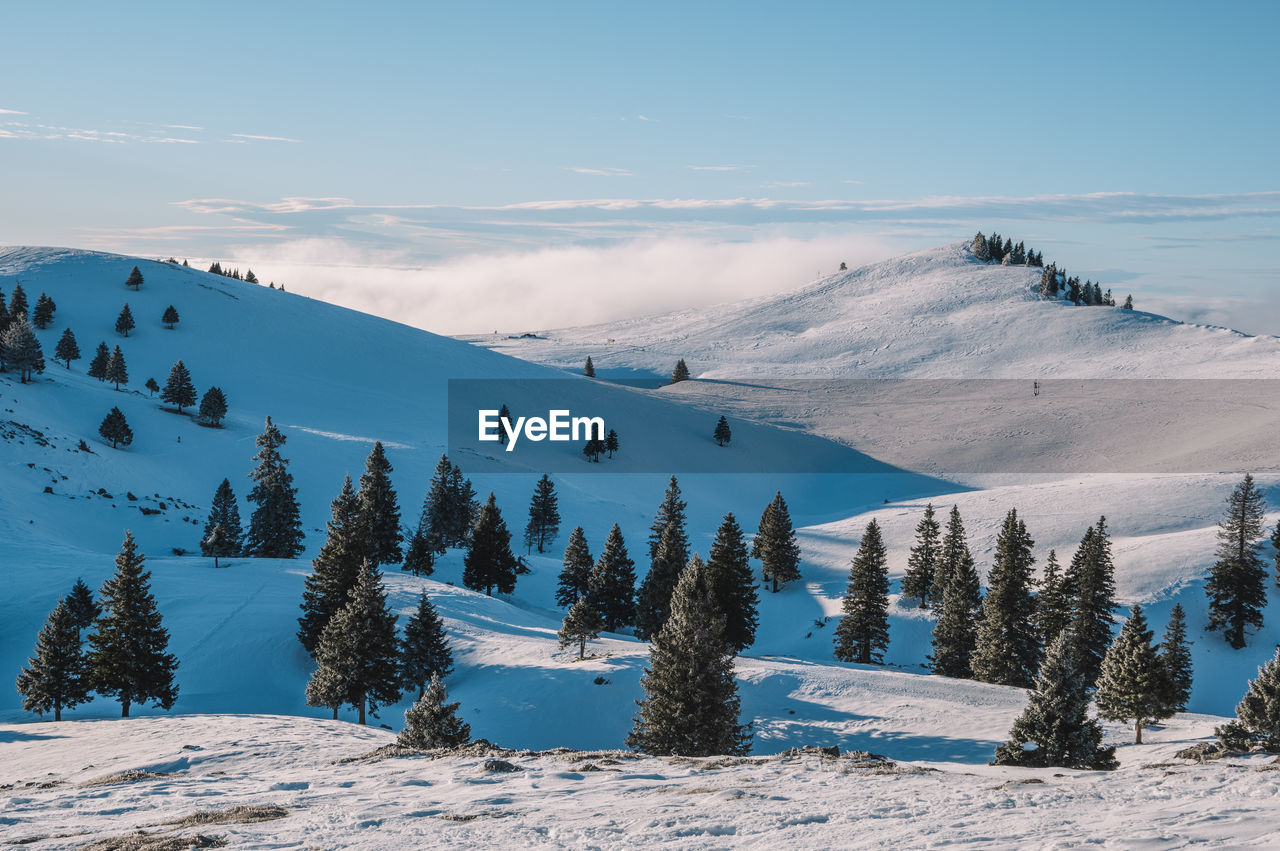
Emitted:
<point x="937" y="313"/>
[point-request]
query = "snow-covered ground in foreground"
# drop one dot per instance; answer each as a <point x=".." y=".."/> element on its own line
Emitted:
<point x="52" y="786"/>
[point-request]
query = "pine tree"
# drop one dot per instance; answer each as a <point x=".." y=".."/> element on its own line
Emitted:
<point x="117" y="372"/>
<point x="1049" y="283"/>
<point x="152" y="387"/>
<point x="613" y="583"/>
<point x="922" y="563"/>
<point x="955" y="636"/>
<point x="1128" y="302"/>
<point x="680" y="373"/>
<point x="135" y="279"/>
<point x="333" y="571"/>
<point x="582" y="624"/>
<point x="379" y="510"/>
<point x="653" y="600"/>
<point x="980" y="249"/>
<point x="1237" y="581"/>
<point x="216" y="542"/>
<point x="84" y="609"/>
<point x="18" y="304"/>
<point x="722" y="434"/>
<point x="1008" y="648"/>
<point x="733" y="584"/>
<point x="124" y="322"/>
<point x="42" y="317"/>
<point x="67" y="350"/>
<point x="433" y="722"/>
<point x="671" y="510"/>
<point x="250" y="278"/>
<point x="504" y="416"/>
<point x="425" y="652"/>
<point x="544" y="516"/>
<point x="775" y="544"/>
<point x="178" y="390"/>
<point x="55" y="677"/>
<point x="128" y="658"/>
<point x="863" y="633"/>
<point x="98" y="366"/>
<point x="224" y="514"/>
<point x="589" y="370"/>
<point x="170" y="317"/>
<point x="1258" y="713"/>
<point x="575" y="576"/>
<point x="357" y="660"/>
<point x="21" y="349"/>
<point x="954" y="553"/>
<point x="116" y="429"/>
<point x="593" y="449"/>
<point x="1090" y="583"/>
<point x="691" y="700"/>
<point x="611" y="442"/>
<point x="213" y="407"/>
<point x="4" y="320"/>
<point x="1055" y="729"/>
<point x="1053" y="605"/>
<point x="1132" y="685"/>
<point x="489" y="562"/>
<point x="1175" y="659"/>
<point x="275" y="527"/>
<point x="419" y="558"/>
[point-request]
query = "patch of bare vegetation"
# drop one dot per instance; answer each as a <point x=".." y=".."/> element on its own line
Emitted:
<point x="133" y="775"/>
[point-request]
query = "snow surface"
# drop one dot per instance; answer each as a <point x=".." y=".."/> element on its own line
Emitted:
<point x="336" y="380"/>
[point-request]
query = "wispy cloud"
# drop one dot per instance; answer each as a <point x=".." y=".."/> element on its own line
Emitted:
<point x="785" y="184"/>
<point x="12" y="112"/>
<point x="720" y="167"/>
<point x="601" y="172"/>
<point x="183" y="127"/>
<point x="255" y="138"/>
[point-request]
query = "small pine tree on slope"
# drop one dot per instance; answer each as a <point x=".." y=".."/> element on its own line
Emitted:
<point x="84" y="609"/>
<point x="433" y="722"/>
<point x="1055" y="729"/>
<point x="55" y="677"/>
<point x="575" y="576"/>
<point x="179" y="391"/>
<point x="379" y="512"/>
<point x="128" y="656"/>
<point x="358" y="655"/>
<point x="1008" y="647"/>
<point x="671" y="510"/>
<point x="67" y="350"/>
<point x="334" y="570"/>
<point x="691" y="704"/>
<point x="680" y="373"/>
<point x="733" y="585"/>
<point x="124" y="322"/>
<point x="98" y="365"/>
<point x="922" y="561"/>
<point x="213" y="407"/>
<point x="613" y="583"/>
<point x="1090" y="583"/>
<point x="170" y="317"/>
<point x="224" y="513"/>
<point x="955" y="636"/>
<point x="1237" y="581"/>
<point x="489" y="562"/>
<point x="117" y="372"/>
<point x="722" y="433"/>
<point x="1132" y="685"/>
<point x="1175" y="657"/>
<point x="775" y="544"/>
<point x="1257" y="720"/>
<point x="1053" y="608"/>
<point x="544" y="516"/>
<point x="863" y="633"/>
<point x="419" y="558"/>
<point x="589" y="370"/>
<point x="18" y="303"/>
<point x="425" y="651"/>
<point x="115" y="428"/>
<point x="275" y="527"/>
<point x="42" y="316"/>
<point x="134" y="280"/>
<point x="582" y="624"/>
<point x="21" y="349"/>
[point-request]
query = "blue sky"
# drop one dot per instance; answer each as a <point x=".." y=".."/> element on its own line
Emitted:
<point x="401" y="157"/>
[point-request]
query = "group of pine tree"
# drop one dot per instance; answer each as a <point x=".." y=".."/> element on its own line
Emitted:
<point x="1054" y="282"/>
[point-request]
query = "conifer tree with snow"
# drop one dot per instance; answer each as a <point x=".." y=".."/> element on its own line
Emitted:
<point x="115" y="428"/>
<point x="449" y="509"/>
<point x="1132" y="685"/>
<point x="775" y="544"/>
<point x="117" y="372"/>
<point x="178" y="390"/>
<point x="980" y="248"/>
<point x="134" y="281"/>
<point x="575" y="575"/>
<point x="42" y="316"/>
<point x="275" y="527"/>
<point x="84" y="609"/>
<point x="922" y="562"/>
<point x="691" y="703"/>
<point x="862" y="635"/>
<point x="1257" y="721"/>
<point x="379" y="510"/>
<point x="224" y="514"/>
<point x="1008" y="648"/>
<point x="722" y="433"/>
<point x="583" y="623"/>
<point x="1090" y="583"/>
<point x="611" y="442"/>
<point x="213" y="407"/>
<point x="4" y="318"/>
<point x="250" y="278"/>
<point x="1053" y="604"/>
<point x="653" y="600"/>
<point x="152" y="386"/>
<point x="98" y="366"/>
<point x="1128" y="302"/>
<point x="18" y="304"/>
<point x="67" y="350"/>
<point x="433" y="722"/>
<point x="124" y="322"/>
<point x="425" y="651"/>
<point x="544" y="516"/>
<point x="1175" y="659"/>
<point x="733" y="584"/>
<point x="670" y="510"/>
<point x="1237" y="584"/>
<point x="21" y="349"/>
<point x="589" y="370"/>
<point x="1049" y="282"/>
<point x="955" y="636"/>
<point x="680" y="373"/>
<point x="334" y="570"/>
<point x="489" y="562"/>
<point x="358" y="657"/>
<point x="128" y="657"/>
<point x="216" y="542"/>
<point x="1055" y="729"/>
<point x="56" y="676"/>
<point x="613" y="583"/>
<point x="170" y="317"/>
<point x="419" y="558"/>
